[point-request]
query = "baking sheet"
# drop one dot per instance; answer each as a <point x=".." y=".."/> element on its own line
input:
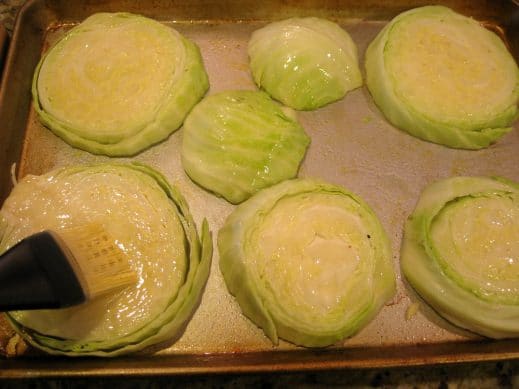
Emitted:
<point x="352" y="145"/>
<point x="3" y="47"/>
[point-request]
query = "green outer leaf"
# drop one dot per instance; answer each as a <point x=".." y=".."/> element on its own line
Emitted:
<point x="237" y="142"/>
<point x="450" y="300"/>
<point x="184" y="94"/>
<point x="305" y="63"/>
<point x="245" y="285"/>
<point x="405" y="117"/>
<point x="172" y="320"/>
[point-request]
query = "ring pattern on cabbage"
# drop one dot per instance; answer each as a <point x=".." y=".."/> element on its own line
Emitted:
<point x="307" y="261"/>
<point x="118" y="83"/>
<point x="151" y="223"/>
<point x="460" y="252"/>
<point x="444" y="78"/>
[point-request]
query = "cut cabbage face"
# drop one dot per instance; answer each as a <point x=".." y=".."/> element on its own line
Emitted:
<point x="238" y="142"/>
<point x="151" y="223"/>
<point x="443" y="78"/>
<point x="304" y="62"/>
<point x="461" y="253"/>
<point x="307" y="261"/>
<point x="118" y="83"/>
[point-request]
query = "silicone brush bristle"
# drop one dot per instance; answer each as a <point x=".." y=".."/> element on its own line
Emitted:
<point x="100" y="265"/>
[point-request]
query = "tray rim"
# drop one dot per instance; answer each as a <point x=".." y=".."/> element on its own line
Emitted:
<point x="301" y="360"/>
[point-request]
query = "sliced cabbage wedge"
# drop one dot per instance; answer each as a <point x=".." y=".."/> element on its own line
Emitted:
<point x="238" y="142"/>
<point x="460" y="252"/>
<point x="118" y="83"/>
<point x="305" y="63"/>
<point x="307" y="261"/>
<point x="151" y="223"/>
<point x="444" y="78"/>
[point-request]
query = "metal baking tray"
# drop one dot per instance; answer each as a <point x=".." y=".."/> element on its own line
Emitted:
<point x="352" y="145"/>
<point x="3" y="47"/>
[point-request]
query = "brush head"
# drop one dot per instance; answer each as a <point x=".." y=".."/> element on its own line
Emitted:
<point x="99" y="264"/>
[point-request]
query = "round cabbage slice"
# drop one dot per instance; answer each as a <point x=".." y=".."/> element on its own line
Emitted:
<point x="444" y="78"/>
<point x="151" y="223"/>
<point x="305" y="63"/>
<point x="118" y="83"/>
<point x="307" y="261"/>
<point x="460" y="252"/>
<point x="238" y="142"/>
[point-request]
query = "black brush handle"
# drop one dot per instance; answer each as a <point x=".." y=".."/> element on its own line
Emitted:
<point x="36" y="274"/>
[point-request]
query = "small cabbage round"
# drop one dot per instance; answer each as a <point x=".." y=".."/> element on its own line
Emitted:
<point x="118" y="83"/>
<point x="236" y="143"/>
<point x="307" y="261"/>
<point x="460" y="252"/>
<point x="150" y="222"/>
<point x="305" y="63"/>
<point x="444" y="78"/>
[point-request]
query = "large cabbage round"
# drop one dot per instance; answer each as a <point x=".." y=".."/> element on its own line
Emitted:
<point x="237" y="142"/>
<point x="151" y="223"/>
<point x="304" y="62"/>
<point x="443" y="78"/>
<point x="118" y="83"/>
<point x="308" y="262"/>
<point x="461" y="253"/>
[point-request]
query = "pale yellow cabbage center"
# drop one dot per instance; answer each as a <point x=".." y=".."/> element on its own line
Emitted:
<point x="110" y="79"/>
<point x="311" y="251"/>
<point x="478" y="239"/>
<point x="450" y="70"/>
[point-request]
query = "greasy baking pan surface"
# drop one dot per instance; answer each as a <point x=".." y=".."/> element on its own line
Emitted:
<point x="352" y="145"/>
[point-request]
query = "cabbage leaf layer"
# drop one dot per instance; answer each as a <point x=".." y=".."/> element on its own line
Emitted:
<point x="150" y="222"/>
<point x="305" y="63"/>
<point x="444" y="78"/>
<point x="460" y="251"/>
<point x="307" y="261"/>
<point x="118" y="83"/>
<point x="237" y="142"/>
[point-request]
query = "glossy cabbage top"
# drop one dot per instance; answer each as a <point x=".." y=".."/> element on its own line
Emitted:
<point x="461" y="253"/>
<point x="236" y="143"/>
<point x="307" y="261"/>
<point x="304" y="62"/>
<point x="444" y="78"/>
<point x="150" y="223"/>
<point x="118" y="83"/>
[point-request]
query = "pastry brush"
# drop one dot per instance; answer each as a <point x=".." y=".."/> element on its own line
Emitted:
<point x="61" y="268"/>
